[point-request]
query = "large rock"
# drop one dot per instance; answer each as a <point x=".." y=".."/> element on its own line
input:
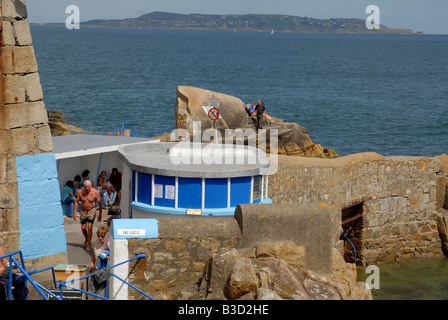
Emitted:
<point x="217" y="272"/>
<point x="188" y="109"/>
<point x="56" y="121"/>
<point x="293" y="139"/>
<point x="442" y="227"/>
<point x="242" y="280"/>
<point x="274" y="271"/>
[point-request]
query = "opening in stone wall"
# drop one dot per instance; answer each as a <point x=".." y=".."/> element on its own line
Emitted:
<point x="352" y="224"/>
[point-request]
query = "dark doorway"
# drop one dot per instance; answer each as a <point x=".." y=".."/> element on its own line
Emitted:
<point x="352" y="224"/>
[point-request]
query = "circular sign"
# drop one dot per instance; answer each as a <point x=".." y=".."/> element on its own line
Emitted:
<point x="213" y="114"/>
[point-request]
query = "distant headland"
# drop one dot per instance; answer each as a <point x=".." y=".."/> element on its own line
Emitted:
<point x="248" y="22"/>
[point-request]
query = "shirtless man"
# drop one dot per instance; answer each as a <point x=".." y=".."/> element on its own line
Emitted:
<point x="87" y="196"/>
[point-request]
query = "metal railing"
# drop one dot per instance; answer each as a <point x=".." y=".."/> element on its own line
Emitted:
<point x="25" y="274"/>
<point x="63" y="284"/>
<point x="128" y="126"/>
<point x="41" y="289"/>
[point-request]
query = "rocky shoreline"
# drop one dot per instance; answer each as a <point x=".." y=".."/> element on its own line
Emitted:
<point x="293" y="139"/>
<point x="58" y="127"/>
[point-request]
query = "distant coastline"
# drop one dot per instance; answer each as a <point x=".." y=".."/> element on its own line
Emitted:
<point x="249" y="22"/>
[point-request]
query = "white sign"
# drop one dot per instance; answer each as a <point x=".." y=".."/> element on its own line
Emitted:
<point x="131" y="232"/>
<point x="213" y="102"/>
<point x="158" y="190"/>
<point x="169" y="192"/>
<point x="194" y="212"/>
<point x="207" y="109"/>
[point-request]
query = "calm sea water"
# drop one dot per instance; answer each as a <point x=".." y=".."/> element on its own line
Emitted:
<point x="354" y="93"/>
<point x="425" y="279"/>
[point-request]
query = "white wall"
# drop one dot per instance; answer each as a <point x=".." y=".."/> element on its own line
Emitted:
<point x="70" y="167"/>
<point x="126" y="190"/>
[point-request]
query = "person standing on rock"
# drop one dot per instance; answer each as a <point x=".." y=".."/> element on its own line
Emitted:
<point x="88" y="197"/>
<point x="261" y="112"/>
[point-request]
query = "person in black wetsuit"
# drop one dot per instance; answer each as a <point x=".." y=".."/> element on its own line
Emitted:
<point x="261" y="112"/>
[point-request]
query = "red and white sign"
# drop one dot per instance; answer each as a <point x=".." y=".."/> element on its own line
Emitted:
<point x="213" y="114"/>
<point x="213" y="102"/>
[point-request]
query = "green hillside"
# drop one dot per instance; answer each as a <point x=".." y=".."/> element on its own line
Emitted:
<point x="248" y="22"/>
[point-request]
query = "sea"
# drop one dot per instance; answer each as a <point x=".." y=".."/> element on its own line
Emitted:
<point x="384" y="93"/>
<point x="352" y="92"/>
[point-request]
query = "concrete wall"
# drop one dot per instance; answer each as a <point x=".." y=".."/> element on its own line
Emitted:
<point x="308" y="225"/>
<point x="68" y="168"/>
<point x="399" y="197"/>
<point x="178" y="249"/>
<point x="30" y="210"/>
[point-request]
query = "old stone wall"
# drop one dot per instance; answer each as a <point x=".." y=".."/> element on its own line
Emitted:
<point x="30" y="210"/>
<point x="396" y="199"/>
<point x="178" y="255"/>
<point x="179" y="250"/>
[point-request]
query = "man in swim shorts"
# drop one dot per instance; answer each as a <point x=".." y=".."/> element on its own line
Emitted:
<point x="88" y="197"/>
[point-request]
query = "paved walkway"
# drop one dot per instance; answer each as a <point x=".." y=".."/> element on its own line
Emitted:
<point x="76" y="253"/>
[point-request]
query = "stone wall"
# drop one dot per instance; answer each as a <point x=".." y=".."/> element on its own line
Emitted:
<point x="178" y="256"/>
<point x="30" y="210"/>
<point x="179" y="251"/>
<point x="397" y="199"/>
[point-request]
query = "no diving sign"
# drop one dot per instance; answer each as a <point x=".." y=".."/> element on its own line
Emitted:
<point x="213" y="114"/>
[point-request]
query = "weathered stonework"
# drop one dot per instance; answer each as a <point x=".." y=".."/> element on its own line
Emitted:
<point x="397" y="196"/>
<point x="178" y="257"/>
<point x="25" y="137"/>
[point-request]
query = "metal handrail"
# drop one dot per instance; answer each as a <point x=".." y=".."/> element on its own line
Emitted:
<point x="149" y="133"/>
<point x="121" y="130"/>
<point x="25" y="274"/>
<point x="64" y="283"/>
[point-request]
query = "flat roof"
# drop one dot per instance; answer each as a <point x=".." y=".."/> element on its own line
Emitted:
<point x="195" y="160"/>
<point x="78" y="145"/>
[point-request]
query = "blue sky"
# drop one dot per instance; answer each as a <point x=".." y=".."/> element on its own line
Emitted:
<point x="428" y="16"/>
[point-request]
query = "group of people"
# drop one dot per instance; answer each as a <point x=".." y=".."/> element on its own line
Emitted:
<point x="81" y="191"/>
<point x="109" y="189"/>
<point x="259" y="111"/>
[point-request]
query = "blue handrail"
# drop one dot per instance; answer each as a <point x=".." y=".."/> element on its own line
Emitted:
<point x="149" y="133"/>
<point x="64" y="283"/>
<point x="121" y="130"/>
<point x="26" y="274"/>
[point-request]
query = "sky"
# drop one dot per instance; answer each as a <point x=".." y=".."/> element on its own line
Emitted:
<point x="428" y="16"/>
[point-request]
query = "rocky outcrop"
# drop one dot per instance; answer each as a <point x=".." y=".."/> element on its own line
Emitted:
<point x="274" y="271"/>
<point x="293" y="139"/>
<point x="56" y="121"/>
<point x="443" y="158"/>
<point x="442" y="228"/>
<point x="188" y="109"/>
